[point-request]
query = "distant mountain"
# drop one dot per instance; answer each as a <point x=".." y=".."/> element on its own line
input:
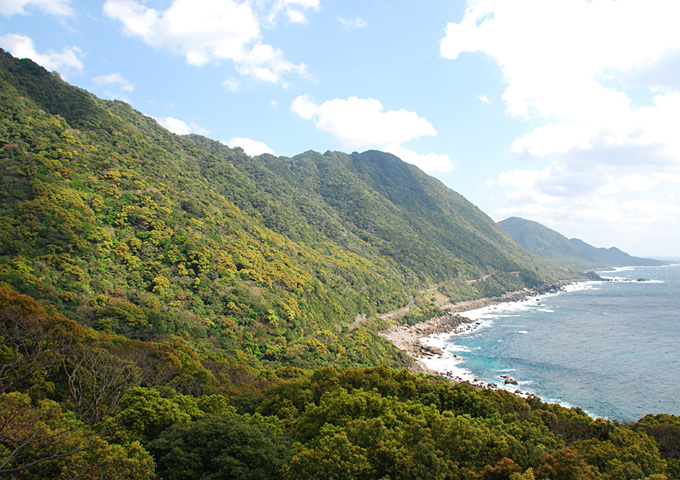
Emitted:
<point x="551" y="245"/>
<point x="614" y="257"/>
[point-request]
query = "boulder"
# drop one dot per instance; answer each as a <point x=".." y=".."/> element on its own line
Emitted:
<point x="510" y="381"/>
<point x="432" y="350"/>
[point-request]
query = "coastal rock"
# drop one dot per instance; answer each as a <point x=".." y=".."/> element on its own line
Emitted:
<point x="431" y="350"/>
<point x="511" y="381"/>
<point x="406" y="337"/>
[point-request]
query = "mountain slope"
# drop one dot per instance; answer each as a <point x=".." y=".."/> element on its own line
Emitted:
<point x="613" y="256"/>
<point x="201" y="277"/>
<point x="546" y="243"/>
<point x="133" y="230"/>
<point x="551" y="245"/>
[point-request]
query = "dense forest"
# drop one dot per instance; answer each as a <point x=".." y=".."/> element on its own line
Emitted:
<point x="173" y="308"/>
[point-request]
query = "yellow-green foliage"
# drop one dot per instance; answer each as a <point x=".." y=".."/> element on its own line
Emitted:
<point x="96" y="199"/>
<point x="79" y="403"/>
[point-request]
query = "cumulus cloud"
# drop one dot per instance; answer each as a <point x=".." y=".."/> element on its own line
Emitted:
<point x="597" y="82"/>
<point x="294" y="10"/>
<point x="429" y="163"/>
<point x="363" y="122"/>
<point x="53" y="7"/>
<point x="115" y="85"/>
<point x="553" y="138"/>
<point x="114" y="79"/>
<point x="567" y="62"/>
<point x="598" y="203"/>
<point x="250" y="146"/>
<point x="206" y="31"/>
<point x="180" y="127"/>
<point x="23" y="47"/>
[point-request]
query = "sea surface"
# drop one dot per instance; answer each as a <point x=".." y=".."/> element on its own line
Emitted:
<point x="611" y="348"/>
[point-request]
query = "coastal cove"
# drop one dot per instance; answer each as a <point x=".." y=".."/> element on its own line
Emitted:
<point x="605" y="346"/>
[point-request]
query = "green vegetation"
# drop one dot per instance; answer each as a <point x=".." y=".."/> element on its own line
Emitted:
<point x="261" y="261"/>
<point x="63" y="417"/>
<point x="169" y="308"/>
<point x="549" y="244"/>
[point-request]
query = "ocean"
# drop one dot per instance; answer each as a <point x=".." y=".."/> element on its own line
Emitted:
<point x="611" y="348"/>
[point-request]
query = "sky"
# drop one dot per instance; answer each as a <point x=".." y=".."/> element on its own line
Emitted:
<point x="565" y="112"/>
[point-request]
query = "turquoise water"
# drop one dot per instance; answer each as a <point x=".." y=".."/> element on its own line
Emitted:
<point x="611" y="348"/>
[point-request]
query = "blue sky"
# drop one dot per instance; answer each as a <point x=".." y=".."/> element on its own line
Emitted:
<point x="565" y="112"/>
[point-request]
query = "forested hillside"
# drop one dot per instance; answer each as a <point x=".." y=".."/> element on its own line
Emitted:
<point x="169" y="308"/>
<point x="547" y="243"/>
<point x="132" y="230"/>
<point x="551" y="245"/>
<point x="614" y="257"/>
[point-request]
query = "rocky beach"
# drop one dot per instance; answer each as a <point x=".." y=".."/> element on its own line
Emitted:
<point x="407" y="338"/>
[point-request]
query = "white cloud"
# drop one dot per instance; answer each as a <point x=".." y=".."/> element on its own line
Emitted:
<point x="206" y="31"/>
<point x="637" y="208"/>
<point x="180" y="127"/>
<point x="363" y="122"/>
<point x="304" y="107"/>
<point x="566" y="61"/>
<point x="232" y="84"/>
<point x="115" y="86"/>
<point x="250" y="146"/>
<point x="54" y="7"/>
<point x="484" y="99"/>
<point x="522" y="179"/>
<point x="628" y="183"/>
<point x="430" y="162"/>
<point x="352" y="23"/>
<point x="114" y="79"/>
<point x="360" y="122"/>
<point x="21" y="46"/>
<point x="293" y="9"/>
<point x="267" y="64"/>
<point x="596" y="81"/>
<point x="553" y="138"/>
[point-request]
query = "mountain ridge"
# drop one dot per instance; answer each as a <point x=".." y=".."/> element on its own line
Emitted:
<point x="102" y="207"/>
<point x="172" y="308"/>
<point x="552" y="245"/>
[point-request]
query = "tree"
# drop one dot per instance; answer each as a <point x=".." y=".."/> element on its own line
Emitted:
<point x="225" y="446"/>
<point x="33" y="341"/>
<point x="333" y="457"/>
<point x="97" y="381"/>
<point x="564" y="464"/>
<point x="146" y="414"/>
<point x="41" y="441"/>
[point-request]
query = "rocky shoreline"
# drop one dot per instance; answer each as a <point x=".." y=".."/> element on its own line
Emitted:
<point x="407" y="337"/>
